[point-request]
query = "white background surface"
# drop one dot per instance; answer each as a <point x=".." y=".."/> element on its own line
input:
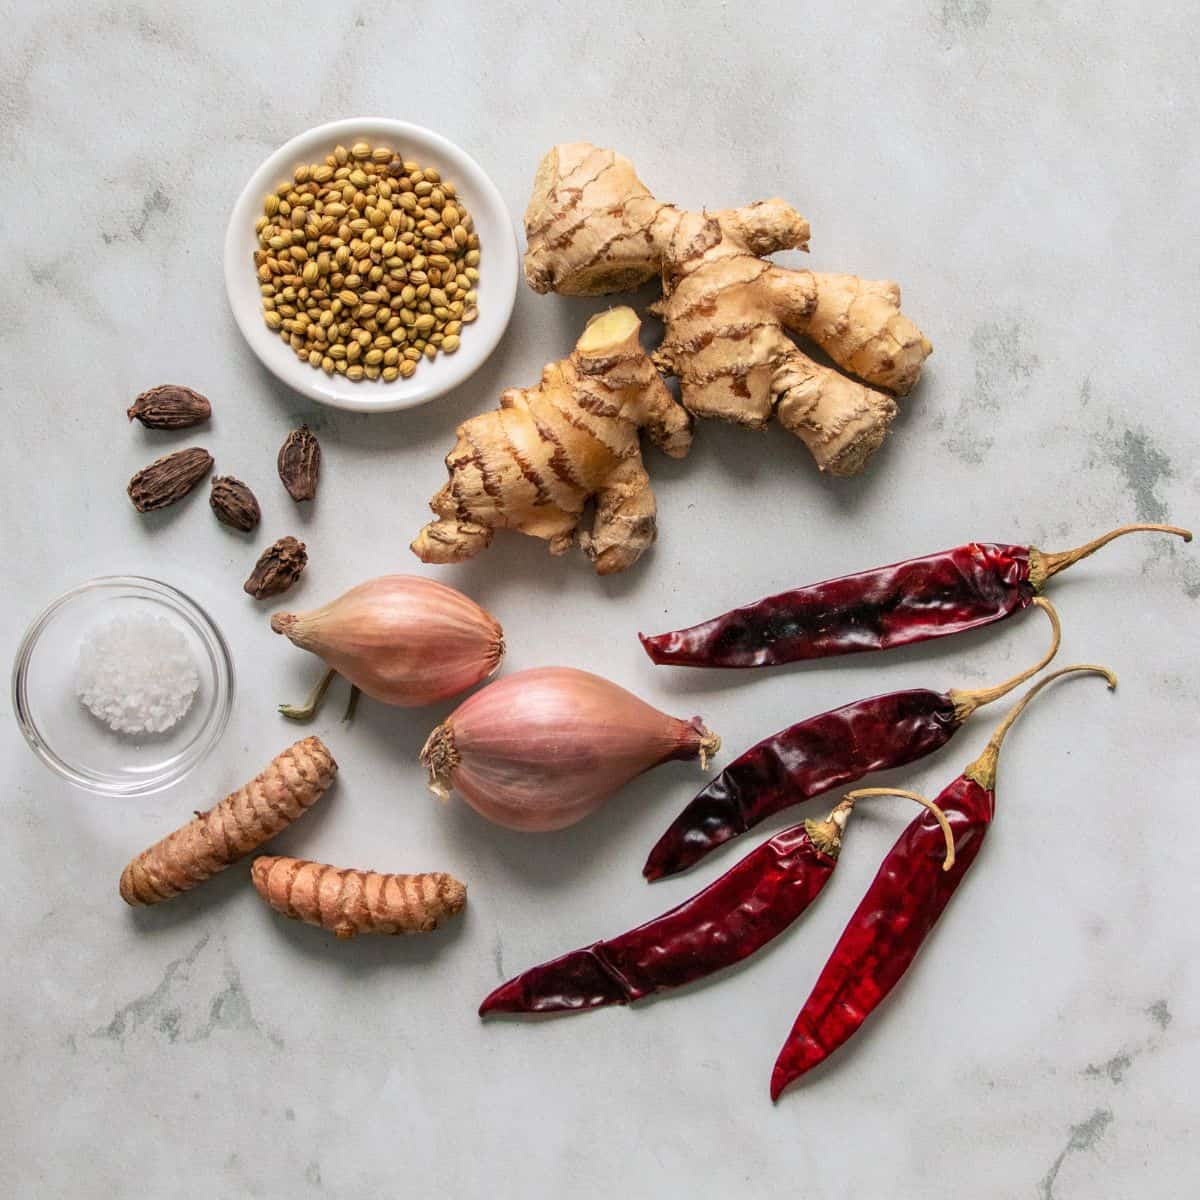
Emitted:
<point x="1028" y="172"/>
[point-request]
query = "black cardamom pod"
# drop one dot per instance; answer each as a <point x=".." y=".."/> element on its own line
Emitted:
<point x="168" y="479"/>
<point x="170" y="407"/>
<point x="234" y="503"/>
<point x="299" y="463"/>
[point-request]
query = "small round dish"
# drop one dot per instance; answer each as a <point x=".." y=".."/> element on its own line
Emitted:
<point x="498" y="267"/>
<point x="81" y="748"/>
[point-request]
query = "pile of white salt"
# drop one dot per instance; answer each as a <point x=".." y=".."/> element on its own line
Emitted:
<point x="136" y="674"/>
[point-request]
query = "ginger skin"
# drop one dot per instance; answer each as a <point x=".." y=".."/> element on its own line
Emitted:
<point x="293" y="782"/>
<point x="533" y="464"/>
<point x="593" y="227"/>
<point x="348" y="902"/>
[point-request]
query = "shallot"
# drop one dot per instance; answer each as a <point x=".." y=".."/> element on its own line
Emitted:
<point x="401" y="639"/>
<point x="541" y="749"/>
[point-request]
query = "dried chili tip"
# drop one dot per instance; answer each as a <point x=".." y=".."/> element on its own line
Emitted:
<point x="574" y="982"/>
<point x="510" y="997"/>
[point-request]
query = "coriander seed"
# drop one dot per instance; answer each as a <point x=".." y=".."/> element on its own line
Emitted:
<point x="367" y="263"/>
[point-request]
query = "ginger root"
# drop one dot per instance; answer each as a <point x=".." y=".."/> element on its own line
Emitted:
<point x="533" y="464"/>
<point x="593" y="227"/>
<point x="349" y="902"/>
<point x="242" y="822"/>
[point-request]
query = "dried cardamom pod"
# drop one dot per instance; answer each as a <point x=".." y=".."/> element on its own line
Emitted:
<point x="299" y="462"/>
<point x="234" y="503"/>
<point x="277" y="569"/>
<point x="170" y="407"/>
<point x="168" y="479"/>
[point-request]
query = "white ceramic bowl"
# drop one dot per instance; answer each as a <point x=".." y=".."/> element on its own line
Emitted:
<point x="498" y="267"/>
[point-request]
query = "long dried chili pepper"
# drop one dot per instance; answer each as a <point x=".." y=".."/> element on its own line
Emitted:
<point x="910" y="601"/>
<point x="826" y="751"/>
<point x="900" y="908"/>
<point x="729" y="920"/>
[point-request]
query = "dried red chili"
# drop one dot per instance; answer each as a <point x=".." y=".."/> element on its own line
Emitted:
<point x="728" y="921"/>
<point x="813" y="756"/>
<point x="900" y="908"/>
<point x="911" y="601"/>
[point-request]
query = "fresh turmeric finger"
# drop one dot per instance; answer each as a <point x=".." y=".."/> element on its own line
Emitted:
<point x="240" y="823"/>
<point x="348" y="902"/>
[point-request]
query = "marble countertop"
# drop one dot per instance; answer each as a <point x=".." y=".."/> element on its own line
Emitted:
<point x="1029" y="173"/>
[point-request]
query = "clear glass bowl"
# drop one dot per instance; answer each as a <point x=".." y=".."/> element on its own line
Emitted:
<point x="79" y="746"/>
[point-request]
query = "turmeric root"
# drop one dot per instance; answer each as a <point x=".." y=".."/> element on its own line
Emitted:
<point x="593" y="227"/>
<point x="242" y="822"/>
<point x="350" y="902"/>
<point x="533" y="465"/>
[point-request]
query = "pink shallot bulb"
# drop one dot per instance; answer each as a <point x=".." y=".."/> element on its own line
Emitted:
<point x="541" y="749"/>
<point x="401" y="639"/>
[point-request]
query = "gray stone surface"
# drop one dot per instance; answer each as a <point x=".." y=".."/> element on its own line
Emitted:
<point x="1029" y="173"/>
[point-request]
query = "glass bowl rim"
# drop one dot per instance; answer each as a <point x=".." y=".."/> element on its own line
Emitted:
<point x="215" y="722"/>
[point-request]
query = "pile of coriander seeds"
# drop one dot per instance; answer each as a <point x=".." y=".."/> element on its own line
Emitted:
<point x="366" y="263"/>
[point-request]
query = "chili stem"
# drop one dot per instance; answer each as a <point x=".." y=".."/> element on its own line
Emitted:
<point x="826" y="835"/>
<point x="1042" y="566"/>
<point x="966" y="701"/>
<point x="947" y="832"/>
<point x="351" y="704"/>
<point x="983" y="769"/>
<point x="311" y="706"/>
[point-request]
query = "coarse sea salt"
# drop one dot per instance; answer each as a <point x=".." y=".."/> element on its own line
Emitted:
<point x="136" y="674"/>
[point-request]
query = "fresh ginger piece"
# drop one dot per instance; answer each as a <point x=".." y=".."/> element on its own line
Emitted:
<point x="348" y="902"/>
<point x="533" y="464"/>
<point x="593" y="227"/>
<point x="293" y="782"/>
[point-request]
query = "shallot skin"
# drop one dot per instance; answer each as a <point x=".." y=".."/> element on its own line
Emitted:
<point x="542" y="749"/>
<point x="402" y="639"/>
